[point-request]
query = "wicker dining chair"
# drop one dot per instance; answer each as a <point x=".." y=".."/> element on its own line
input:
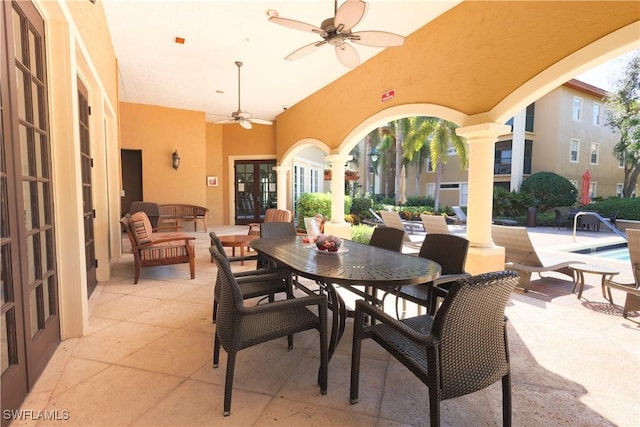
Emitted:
<point x="253" y="283"/>
<point x="461" y="350"/>
<point x="271" y="215"/>
<point x="240" y="327"/>
<point x="273" y="230"/>
<point x="448" y="250"/>
<point x="387" y="238"/>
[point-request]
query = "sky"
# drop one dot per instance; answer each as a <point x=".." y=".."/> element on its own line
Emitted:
<point x="604" y="76"/>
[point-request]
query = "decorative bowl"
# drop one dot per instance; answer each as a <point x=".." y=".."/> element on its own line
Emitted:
<point x="328" y="243"/>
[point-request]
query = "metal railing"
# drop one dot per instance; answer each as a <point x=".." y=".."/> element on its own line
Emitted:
<point x="603" y="220"/>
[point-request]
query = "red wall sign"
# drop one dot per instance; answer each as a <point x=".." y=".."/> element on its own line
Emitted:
<point x="388" y="95"/>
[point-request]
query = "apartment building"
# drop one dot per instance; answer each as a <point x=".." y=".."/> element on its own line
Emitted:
<point x="562" y="132"/>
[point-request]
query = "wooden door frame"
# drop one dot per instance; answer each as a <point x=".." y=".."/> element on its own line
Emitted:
<point x="231" y="161"/>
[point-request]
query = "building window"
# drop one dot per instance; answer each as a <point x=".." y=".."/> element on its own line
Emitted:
<point x="530" y="114"/>
<point x="431" y="190"/>
<point x="502" y="158"/>
<point x="597" y="114"/>
<point x="429" y="165"/>
<point x="592" y="190"/>
<point x="595" y="148"/>
<point x="619" y="189"/>
<point x="574" y="150"/>
<point x="464" y="193"/>
<point x="577" y="108"/>
<point x="621" y="163"/>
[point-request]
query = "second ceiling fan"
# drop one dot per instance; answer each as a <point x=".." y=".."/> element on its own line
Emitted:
<point x="336" y="31"/>
<point x="242" y="117"/>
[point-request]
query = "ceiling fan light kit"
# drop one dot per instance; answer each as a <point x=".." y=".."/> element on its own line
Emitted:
<point x="243" y="118"/>
<point x="336" y="31"/>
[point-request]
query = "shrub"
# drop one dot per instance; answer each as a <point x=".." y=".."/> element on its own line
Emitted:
<point x="310" y="204"/>
<point x="510" y="204"/>
<point x="549" y="190"/>
<point x="360" y="207"/>
<point x="361" y="233"/>
<point x="420" y="201"/>
<point x="628" y="208"/>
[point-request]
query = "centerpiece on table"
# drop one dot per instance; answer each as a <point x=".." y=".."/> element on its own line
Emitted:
<point x="329" y="243"/>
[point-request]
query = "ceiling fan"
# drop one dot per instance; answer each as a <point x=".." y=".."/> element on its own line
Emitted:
<point x="336" y="31"/>
<point x="242" y="117"/>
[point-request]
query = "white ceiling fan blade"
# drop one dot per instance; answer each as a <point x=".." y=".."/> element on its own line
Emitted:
<point x="348" y="55"/>
<point x="349" y="14"/>
<point x="224" y="122"/>
<point x="304" y="50"/>
<point x="245" y="123"/>
<point x="377" y="38"/>
<point x="261" y="121"/>
<point x="297" y="25"/>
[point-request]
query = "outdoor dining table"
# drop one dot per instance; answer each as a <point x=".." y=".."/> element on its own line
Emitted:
<point x="354" y="265"/>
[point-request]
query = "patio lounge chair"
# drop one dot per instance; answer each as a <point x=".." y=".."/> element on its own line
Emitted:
<point x="393" y="219"/>
<point x="632" y="302"/>
<point x="434" y="224"/>
<point x="460" y="218"/>
<point x="520" y="255"/>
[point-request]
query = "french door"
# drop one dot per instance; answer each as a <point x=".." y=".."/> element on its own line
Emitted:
<point x="255" y="189"/>
<point x="30" y="327"/>
<point x="86" y="163"/>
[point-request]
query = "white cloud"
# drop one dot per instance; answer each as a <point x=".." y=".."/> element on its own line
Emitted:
<point x="606" y="75"/>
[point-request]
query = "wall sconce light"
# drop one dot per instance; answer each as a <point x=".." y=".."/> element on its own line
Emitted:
<point x="175" y="159"/>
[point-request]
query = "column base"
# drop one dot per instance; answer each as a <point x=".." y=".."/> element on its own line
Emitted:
<point x="485" y="260"/>
<point x="342" y="229"/>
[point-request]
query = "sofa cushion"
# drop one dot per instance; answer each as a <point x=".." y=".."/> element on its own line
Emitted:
<point x="141" y="227"/>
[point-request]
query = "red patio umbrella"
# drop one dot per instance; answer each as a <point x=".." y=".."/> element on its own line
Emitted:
<point x="586" y="184"/>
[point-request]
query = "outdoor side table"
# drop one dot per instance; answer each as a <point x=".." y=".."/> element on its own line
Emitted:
<point x="234" y="241"/>
<point x="578" y="277"/>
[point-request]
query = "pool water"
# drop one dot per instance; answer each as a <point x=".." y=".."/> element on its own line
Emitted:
<point x="621" y="254"/>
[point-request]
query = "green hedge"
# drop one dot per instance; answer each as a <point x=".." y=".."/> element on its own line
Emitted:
<point x="628" y="208"/>
<point x="310" y="204"/>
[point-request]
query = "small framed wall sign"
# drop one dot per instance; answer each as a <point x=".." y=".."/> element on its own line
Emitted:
<point x="212" y="181"/>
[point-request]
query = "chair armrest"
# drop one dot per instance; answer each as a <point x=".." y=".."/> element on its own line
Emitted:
<point x="167" y="240"/>
<point x="166" y="228"/>
<point x="262" y="275"/>
<point x="448" y="278"/>
<point x="242" y="258"/>
<point x="319" y="300"/>
<point x="363" y="307"/>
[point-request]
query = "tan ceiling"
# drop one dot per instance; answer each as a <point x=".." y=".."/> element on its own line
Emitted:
<point x="154" y="70"/>
<point x="469" y="56"/>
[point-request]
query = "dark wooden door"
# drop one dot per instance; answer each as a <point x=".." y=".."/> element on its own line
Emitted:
<point x="131" y="161"/>
<point x="255" y="189"/>
<point x="29" y="289"/>
<point x="86" y="164"/>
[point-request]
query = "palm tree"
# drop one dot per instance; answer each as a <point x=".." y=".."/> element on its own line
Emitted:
<point x="387" y="151"/>
<point x="415" y="147"/>
<point x="442" y="136"/>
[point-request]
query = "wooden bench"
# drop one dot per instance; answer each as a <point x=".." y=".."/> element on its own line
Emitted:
<point x="177" y="213"/>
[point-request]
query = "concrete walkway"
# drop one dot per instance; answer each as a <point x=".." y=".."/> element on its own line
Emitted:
<point x="146" y="361"/>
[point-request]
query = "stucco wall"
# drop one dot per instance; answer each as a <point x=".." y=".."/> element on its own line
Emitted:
<point x="158" y="131"/>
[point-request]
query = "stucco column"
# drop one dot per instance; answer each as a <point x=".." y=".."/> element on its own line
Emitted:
<point x="517" y="150"/>
<point x="337" y="225"/>
<point x="281" y="185"/>
<point x="483" y="255"/>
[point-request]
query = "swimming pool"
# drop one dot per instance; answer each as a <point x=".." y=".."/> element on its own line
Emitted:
<point x="617" y="252"/>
